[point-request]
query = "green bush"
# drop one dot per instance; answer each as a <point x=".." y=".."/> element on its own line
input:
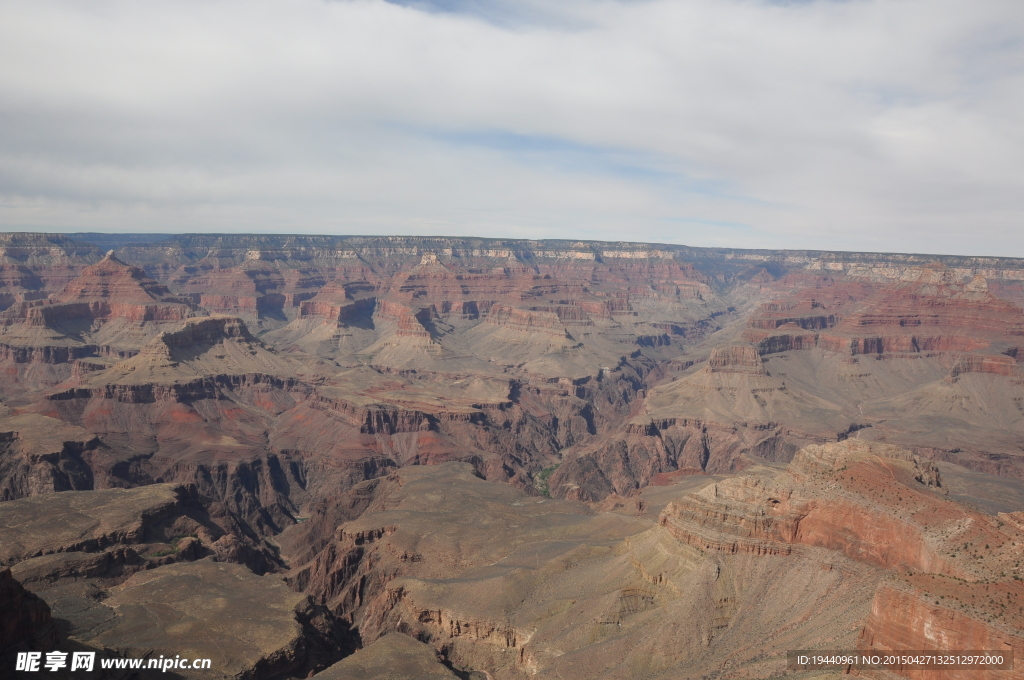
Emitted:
<point x="540" y="481"/>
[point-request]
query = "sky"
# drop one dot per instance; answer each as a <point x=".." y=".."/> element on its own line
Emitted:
<point x="878" y="125"/>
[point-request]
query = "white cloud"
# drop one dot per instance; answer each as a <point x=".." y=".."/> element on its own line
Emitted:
<point x="883" y="125"/>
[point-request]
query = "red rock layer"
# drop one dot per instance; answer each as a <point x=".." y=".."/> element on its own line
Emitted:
<point x="530" y="321"/>
<point x="872" y="509"/>
<point x="112" y="279"/>
<point x="108" y="289"/>
<point x="753" y="518"/>
<point x="735" y="359"/>
<point x="877" y="504"/>
<point x="914" y="619"/>
<point x="254" y="289"/>
<point x="334" y="303"/>
<point x="409" y="322"/>
<point x="937" y="313"/>
<point x="995" y="365"/>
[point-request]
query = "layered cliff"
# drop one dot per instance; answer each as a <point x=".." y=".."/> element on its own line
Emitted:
<point x="927" y="612"/>
<point x="43" y="455"/>
<point x="933" y="309"/>
<point x="877" y="505"/>
<point x="530" y="587"/>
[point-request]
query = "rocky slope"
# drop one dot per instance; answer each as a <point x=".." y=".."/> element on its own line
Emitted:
<point x="954" y="573"/>
<point x="392" y="657"/>
<point x="27" y="625"/>
<point x="832" y="553"/>
<point x="256" y="628"/>
<point x="121" y="568"/>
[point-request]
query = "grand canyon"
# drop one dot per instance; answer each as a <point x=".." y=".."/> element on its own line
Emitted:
<point x="491" y="459"/>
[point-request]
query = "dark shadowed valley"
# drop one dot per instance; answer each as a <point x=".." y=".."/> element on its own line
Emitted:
<point x="409" y="457"/>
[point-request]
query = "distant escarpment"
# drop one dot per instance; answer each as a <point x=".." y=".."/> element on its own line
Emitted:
<point x="935" y="311"/>
<point x="106" y="290"/>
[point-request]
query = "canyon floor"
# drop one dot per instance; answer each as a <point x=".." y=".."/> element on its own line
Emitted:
<point x="398" y="457"/>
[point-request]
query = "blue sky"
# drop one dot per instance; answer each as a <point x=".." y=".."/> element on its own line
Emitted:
<point x="858" y="125"/>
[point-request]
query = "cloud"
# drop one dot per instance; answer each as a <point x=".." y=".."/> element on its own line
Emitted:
<point x="880" y="125"/>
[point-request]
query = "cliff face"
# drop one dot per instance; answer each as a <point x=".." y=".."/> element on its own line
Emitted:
<point x="877" y="505"/>
<point x="735" y="359"/>
<point x="714" y="419"/>
<point x="528" y="321"/>
<point x="26" y="624"/>
<point x="596" y="344"/>
<point x="108" y="289"/>
<point x="111" y="533"/>
<point x="942" y="338"/>
<point x="110" y="309"/>
<point x="543" y="311"/>
<point x="929" y="618"/>
<point x="935" y="311"/>
<point x="874" y="503"/>
<point x="1005" y="366"/>
<point x="43" y="455"/>
<point x="110" y="278"/>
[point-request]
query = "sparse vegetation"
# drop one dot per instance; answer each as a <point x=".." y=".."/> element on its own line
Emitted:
<point x="175" y="548"/>
<point x="540" y="482"/>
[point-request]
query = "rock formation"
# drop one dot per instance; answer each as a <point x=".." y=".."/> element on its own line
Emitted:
<point x="730" y="577"/>
<point x="552" y="458"/>
<point x="26" y="624"/>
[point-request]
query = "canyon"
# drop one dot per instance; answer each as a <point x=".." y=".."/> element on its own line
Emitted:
<point x="403" y="457"/>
